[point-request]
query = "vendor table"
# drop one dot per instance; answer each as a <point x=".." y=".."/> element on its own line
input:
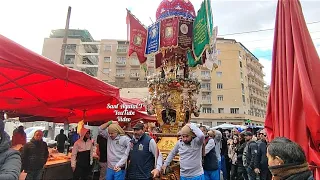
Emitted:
<point x="57" y="169"/>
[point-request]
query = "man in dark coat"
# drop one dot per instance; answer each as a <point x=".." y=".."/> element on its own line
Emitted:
<point x="34" y="156"/>
<point x="241" y="171"/>
<point x="61" y="140"/>
<point x="262" y="156"/>
<point x="250" y="161"/>
<point x="10" y="160"/>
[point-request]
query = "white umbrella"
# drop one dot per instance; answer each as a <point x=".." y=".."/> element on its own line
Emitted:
<point x="225" y="126"/>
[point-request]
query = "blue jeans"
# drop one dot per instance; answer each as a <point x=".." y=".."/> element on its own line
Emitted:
<point x="112" y="175"/>
<point x="34" y="175"/>
<point x="201" y="177"/>
<point x="224" y="167"/>
<point x="212" y="175"/>
<point x="219" y="169"/>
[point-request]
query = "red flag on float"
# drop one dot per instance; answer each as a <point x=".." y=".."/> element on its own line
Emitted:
<point x="294" y="101"/>
<point x="137" y="37"/>
<point x="169" y="32"/>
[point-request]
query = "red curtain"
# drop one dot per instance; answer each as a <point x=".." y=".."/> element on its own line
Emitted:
<point x="293" y="107"/>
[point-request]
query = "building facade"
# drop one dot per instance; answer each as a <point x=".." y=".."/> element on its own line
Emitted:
<point x="233" y="93"/>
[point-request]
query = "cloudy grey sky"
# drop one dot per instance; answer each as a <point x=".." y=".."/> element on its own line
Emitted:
<point x="29" y="22"/>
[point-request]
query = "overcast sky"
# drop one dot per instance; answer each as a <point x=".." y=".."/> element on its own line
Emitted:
<point x="29" y="22"/>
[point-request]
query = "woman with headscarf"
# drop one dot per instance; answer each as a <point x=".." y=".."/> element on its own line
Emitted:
<point x="118" y="148"/>
<point x="287" y="160"/>
<point x="82" y="152"/>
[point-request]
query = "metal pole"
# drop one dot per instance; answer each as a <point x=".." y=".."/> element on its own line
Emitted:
<point x="64" y="43"/>
<point x="62" y="56"/>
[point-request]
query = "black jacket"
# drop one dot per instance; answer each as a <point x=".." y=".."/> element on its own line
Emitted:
<point x="239" y="151"/>
<point x="250" y="155"/>
<point x="262" y="154"/>
<point x="34" y="155"/>
<point x="307" y="175"/>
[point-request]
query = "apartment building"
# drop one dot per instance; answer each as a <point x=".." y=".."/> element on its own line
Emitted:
<point x="233" y="93"/>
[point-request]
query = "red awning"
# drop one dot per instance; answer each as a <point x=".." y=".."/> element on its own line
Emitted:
<point x="294" y="101"/>
<point x="31" y="84"/>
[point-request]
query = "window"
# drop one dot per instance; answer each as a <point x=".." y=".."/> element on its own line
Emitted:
<point x="219" y="74"/>
<point x="71" y="48"/>
<point x="122" y="47"/>
<point x="219" y="86"/>
<point x="206" y="110"/>
<point x="205" y="73"/>
<point x="220" y="97"/>
<point x="220" y="123"/>
<point x="207" y="124"/>
<point x="69" y="59"/>
<point x="205" y="86"/>
<point x="106" y="70"/>
<point x="218" y="51"/>
<point x="241" y="75"/>
<point x="220" y="110"/>
<point x="239" y="54"/>
<point x="206" y="98"/>
<point x="243" y="98"/>
<point x="107" y="59"/>
<point x="107" y="48"/>
<point x="121" y="60"/>
<point x="134" y="61"/>
<point x="242" y="88"/>
<point x="150" y="72"/>
<point x="120" y="72"/>
<point x="219" y="62"/>
<point x="234" y="110"/>
<point x="240" y="64"/>
<point x="134" y="73"/>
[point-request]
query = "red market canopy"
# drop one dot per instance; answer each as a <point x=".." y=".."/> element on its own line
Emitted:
<point x="294" y="100"/>
<point x="31" y="84"/>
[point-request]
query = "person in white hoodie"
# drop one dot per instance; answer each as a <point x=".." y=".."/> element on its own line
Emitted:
<point x="190" y="151"/>
<point x="118" y="148"/>
<point x="81" y="159"/>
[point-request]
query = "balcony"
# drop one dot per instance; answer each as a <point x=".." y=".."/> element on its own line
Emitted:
<point x="134" y="63"/>
<point x="120" y="75"/>
<point x="92" y="71"/>
<point x="205" y="78"/>
<point x="134" y="75"/>
<point x="69" y="60"/>
<point x="121" y="63"/>
<point x="122" y="51"/>
<point x="205" y="90"/>
<point x="206" y="101"/>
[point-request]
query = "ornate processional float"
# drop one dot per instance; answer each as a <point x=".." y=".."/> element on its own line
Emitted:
<point x="179" y="41"/>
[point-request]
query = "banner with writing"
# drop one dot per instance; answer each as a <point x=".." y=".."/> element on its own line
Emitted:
<point x="153" y="38"/>
<point x="202" y="30"/>
<point x="169" y="32"/>
<point x="185" y="34"/>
